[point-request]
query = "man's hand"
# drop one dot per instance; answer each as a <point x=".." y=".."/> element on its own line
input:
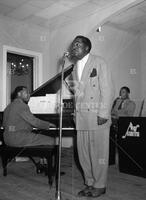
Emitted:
<point x="114" y="114"/>
<point x="101" y="120"/>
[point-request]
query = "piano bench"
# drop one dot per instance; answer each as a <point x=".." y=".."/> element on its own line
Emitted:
<point x="43" y="151"/>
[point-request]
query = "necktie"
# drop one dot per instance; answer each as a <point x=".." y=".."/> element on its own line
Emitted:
<point x="120" y="106"/>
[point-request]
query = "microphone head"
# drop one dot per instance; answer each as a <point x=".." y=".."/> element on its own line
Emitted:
<point x="66" y="54"/>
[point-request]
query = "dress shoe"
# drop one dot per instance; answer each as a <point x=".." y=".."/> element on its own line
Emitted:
<point x="96" y="192"/>
<point x="40" y="168"/>
<point x="85" y="191"/>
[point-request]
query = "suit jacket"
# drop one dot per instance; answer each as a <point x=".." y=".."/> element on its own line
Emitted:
<point x="19" y="121"/>
<point x="127" y="108"/>
<point x="93" y="94"/>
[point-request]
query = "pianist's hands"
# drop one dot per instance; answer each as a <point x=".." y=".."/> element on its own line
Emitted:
<point x="51" y="125"/>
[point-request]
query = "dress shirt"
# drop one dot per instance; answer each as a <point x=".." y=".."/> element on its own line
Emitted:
<point x="121" y="104"/>
<point x="80" y="66"/>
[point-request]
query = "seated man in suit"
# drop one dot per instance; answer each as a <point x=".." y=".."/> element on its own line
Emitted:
<point x="18" y="122"/>
<point x="123" y="106"/>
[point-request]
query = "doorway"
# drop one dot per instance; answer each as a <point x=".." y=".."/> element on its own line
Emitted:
<point x="20" y="67"/>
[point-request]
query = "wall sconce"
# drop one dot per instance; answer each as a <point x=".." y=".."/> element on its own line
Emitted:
<point x="98" y="29"/>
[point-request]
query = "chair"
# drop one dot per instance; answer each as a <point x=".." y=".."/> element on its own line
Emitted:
<point x="43" y="151"/>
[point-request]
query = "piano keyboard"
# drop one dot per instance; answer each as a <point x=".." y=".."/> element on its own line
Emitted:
<point x="66" y="128"/>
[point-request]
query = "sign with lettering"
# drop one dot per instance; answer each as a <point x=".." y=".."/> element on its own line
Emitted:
<point x="132" y="131"/>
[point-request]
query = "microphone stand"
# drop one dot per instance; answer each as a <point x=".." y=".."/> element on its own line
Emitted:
<point x="58" y="192"/>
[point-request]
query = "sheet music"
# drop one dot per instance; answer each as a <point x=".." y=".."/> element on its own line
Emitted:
<point x="44" y="104"/>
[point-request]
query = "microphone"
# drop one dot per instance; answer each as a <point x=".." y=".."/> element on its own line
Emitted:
<point x="66" y="55"/>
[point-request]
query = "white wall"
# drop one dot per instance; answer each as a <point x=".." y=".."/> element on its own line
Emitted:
<point x="62" y="37"/>
<point x="15" y="34"/>
<point x="143" y="71"/>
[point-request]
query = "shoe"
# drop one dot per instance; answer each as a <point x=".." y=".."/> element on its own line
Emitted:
<point x="40" y="168"/>
<point x="96" y="192"/>
<point x="85" y="191"/>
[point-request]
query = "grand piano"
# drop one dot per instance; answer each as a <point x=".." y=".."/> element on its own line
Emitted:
<point x="53" y="86"/>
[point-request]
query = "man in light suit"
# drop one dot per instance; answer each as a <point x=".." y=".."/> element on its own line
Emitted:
<point x="93" y="94"/>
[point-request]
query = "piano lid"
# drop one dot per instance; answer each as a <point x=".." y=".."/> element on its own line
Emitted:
<point x="52" y="85"/>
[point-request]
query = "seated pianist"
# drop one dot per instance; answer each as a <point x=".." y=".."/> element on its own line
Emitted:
<point x="18" y="122"/>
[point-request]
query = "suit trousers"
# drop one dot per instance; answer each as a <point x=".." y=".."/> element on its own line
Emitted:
<point x="93" y="152"/>
<point x="27" y="138"/>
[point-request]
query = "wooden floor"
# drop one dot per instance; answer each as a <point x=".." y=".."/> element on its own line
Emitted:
<point x="22" y="183"/>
